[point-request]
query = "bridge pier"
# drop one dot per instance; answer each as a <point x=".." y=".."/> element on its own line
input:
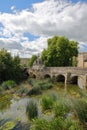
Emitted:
<point x="82" y="81"/>
<point x="66" y="77"/>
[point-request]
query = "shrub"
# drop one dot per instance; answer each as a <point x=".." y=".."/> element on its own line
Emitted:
<point x="80" y="107"/>
<point x="45" y="86"/>
<point x="22" y="90"/>
<point x="42" y="84"/>
<point x="47" y="102"/>
<point x="8" y="126"/>
<point x="57" y="124"/>
<point x="40" y="124"/>
<point x="60" y="109"/>
<point x="8" y="84"/>
<point x="31" y="109"/>
<point x="34" y="91"/>
<point x="73" y="125"/>
<point x="31" y="81"/>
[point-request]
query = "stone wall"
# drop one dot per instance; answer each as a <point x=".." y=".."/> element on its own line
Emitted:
<point x="82" y="60"/>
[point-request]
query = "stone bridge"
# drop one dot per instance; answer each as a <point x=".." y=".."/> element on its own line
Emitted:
<point x="68" y="75"/>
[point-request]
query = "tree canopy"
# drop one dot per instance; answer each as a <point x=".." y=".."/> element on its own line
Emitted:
<point x="60" y="52"/>
<point x="31" y="61"/>
<point x="10" y="68"/>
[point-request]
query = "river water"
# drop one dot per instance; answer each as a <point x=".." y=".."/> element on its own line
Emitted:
<point x="15" y="109"/>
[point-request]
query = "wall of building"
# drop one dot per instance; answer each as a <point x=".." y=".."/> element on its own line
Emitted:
<point x="82" y="60"/>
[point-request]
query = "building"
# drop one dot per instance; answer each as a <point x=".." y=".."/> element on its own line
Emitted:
<point x="24" y="61"/>
<point x="82" y="60"/>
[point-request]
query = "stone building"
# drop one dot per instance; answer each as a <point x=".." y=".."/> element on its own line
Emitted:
<point x="82" y="60"/>
<point x="24" y="61"/>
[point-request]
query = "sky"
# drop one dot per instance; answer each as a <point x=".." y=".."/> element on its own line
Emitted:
<point x="25" y="25"/>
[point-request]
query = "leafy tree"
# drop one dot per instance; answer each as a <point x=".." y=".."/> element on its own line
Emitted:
<point x="60" y="52"/>
<point x="31" y="61"/>
<point x="10" y="68"/>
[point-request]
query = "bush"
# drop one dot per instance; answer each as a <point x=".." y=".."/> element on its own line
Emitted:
<point x="22" y="90"/>
<point x="42" y="84"/>
<point x="31" y="109"/>
<point x="45" y="86"/>
<point x="8" y="126"/>
<point x="56" y="124"/>
<point x="34" y="91"/>
<point x="73" y="125"/>
<point x="80" y="107"/>
<point x="40" y="124"/>
<point x="60" y="109"/>
<point x="8" y="84"/>
<point x="47" y="102"/>
<point x="31" y="81"/>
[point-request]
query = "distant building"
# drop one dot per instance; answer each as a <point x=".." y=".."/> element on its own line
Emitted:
<point x="38" y="63"/>
<point x="82" y="60"/>
<point x="24" y="61"/>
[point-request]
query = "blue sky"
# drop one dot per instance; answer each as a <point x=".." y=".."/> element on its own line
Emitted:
<point x="5" y="5"/>
<point x="25" y="25"/>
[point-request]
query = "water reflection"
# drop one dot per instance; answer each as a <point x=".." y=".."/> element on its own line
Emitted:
<point x="16" y="109"/>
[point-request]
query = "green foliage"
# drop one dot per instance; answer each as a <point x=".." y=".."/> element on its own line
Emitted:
<point x="8" y="126"/>
<point x="55" y="124"/>
<point x="60" y="109"/>
<point x="31" y="61"/>
<point x="10" y="68"/>
<point x="80" y="107"/>
<point x="8" y="84"/>
<point x="32" y="109"/>
<point x="22" y="90"/>
<point x="5" y="101"/>
<point x="40" y="124"/>
<point x="42" y="84"/>
<point x="73" y="124"/>
<point x="60" y="52"/>
<point x="38" y="86"/>
<point x="47" y="102"/>
<point x="34" y="91"/>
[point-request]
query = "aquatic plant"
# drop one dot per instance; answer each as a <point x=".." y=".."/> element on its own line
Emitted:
<point x="7" y="126"/>
<point x="8" y="84"/>
<point x="31" y="110"/>
<point x="47" y="102"/>
<point x="34" y="91"/>
<point x="80" y="107"/>
<point x="60" y="109"/>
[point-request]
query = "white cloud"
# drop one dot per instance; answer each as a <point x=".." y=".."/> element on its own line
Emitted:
<point x="48" y="18"/>
<point x="12" y="7"/>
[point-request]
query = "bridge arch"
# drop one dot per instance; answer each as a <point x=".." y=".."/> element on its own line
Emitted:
<point x="60" y="78"/>
<point x="74" y="80"/>
<point x="32" y="75"/>
<point x="47" y="76"/>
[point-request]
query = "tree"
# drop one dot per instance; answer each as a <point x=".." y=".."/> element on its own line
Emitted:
<point x="60" y="52"/>
<point x="10" y="68"/>
<point x="31" y="61"/>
